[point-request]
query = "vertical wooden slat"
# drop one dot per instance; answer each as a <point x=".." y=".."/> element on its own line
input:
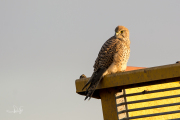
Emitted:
<point x="108" y="102"/>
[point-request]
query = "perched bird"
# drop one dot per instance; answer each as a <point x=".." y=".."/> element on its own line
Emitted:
<point x="112" y="58"/>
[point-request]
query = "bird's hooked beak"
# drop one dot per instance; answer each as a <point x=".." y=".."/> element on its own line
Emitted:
<point x="117" y="33"/>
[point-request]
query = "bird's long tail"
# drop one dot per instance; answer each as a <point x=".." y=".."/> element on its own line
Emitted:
<point x="94" y="81"/>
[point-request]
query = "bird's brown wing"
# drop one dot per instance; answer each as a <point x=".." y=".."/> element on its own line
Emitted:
<point x="106" y="54"/>
<point x="103" y="61"/>
<point x="105" y="58"/>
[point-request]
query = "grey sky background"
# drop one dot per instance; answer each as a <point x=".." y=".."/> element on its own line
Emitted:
<point x="45" y="45"/>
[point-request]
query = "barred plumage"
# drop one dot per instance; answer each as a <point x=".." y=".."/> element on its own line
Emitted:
<point x="112" y="58"/>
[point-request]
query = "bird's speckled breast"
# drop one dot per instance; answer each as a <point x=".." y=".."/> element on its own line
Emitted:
<point x="120" y="60"/>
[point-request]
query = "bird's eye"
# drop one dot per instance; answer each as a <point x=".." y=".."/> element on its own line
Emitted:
<point x="122" y="32"/>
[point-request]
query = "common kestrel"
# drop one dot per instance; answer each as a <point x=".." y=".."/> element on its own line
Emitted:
<point x="112" y="58"/>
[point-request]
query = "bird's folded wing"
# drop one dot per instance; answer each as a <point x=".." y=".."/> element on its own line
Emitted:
<point x="106" y="54"/>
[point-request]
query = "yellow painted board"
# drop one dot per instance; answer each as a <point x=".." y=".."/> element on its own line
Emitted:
<point x="154" y="103"/>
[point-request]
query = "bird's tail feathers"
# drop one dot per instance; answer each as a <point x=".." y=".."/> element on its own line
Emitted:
<point x="91" y="91"/>
<point x="95" y="79"/>
<point x="87" y="83"/>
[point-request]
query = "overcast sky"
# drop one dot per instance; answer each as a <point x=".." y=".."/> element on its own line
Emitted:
<point x="45" y="45"/>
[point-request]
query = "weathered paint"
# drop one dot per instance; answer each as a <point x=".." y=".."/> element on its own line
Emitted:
<point x="108" y="102"/>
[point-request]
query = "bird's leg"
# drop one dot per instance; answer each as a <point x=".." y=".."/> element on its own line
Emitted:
<point x="120" y="71"/>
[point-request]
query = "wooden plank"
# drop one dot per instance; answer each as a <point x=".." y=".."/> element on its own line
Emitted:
<point x="151" y="107"/>
<point x="148" y="92"/>
<point x="147" y="100"/>
<point x="150" y="115"/>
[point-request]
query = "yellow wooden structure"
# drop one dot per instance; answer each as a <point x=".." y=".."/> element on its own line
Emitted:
<point x="144" y="83"/>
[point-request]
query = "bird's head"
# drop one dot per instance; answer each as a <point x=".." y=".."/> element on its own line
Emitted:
<point x="121" y="32"/>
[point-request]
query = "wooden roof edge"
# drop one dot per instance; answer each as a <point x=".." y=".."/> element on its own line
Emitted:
<point x="135" y="76"/>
